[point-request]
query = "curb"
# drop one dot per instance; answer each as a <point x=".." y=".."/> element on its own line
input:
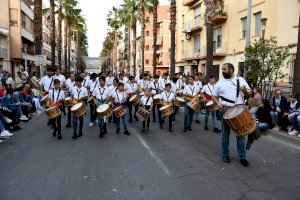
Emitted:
<point x="284" y="136"/>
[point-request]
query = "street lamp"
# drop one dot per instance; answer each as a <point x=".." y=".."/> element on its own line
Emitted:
<point x="263" y="27"/>
<point x="25" y="46"/>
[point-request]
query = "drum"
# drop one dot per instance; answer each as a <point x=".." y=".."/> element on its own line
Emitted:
<point x="135" y="99"/>
<point x="143" y="114"/>
<point x="53" y="112"/>
<point x="78" y="109"/>
<point x="90" y="100"/>
<point x="68" y="102"/>
<point x="157" y="99"/>
<point x="119" y="111"/>
<point x="240" y="120"/>
<point x="179" y="101"/>
<point x="212" y="106"/>
<point x="188" y="98"/>
<point x="166" y="111"/>
<point x="194" y="103"/>
<point x="105" y="110"/>
<point x="45" y="100"/>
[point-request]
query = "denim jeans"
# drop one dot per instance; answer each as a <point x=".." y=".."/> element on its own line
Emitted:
<point x="188" y="116"/>
<point x="101" y="124"/>
<point x="2" y="123"/>
<point x="240" y="142"/>
<point x="294" y="119"/>
<point x="93" y="113"/>
<point x="274" y="116"/>
<point x="56" y="124"/>
<point x="75" y="119"/>
<point x="118" y="121"/>
<point x="213" y="115"/>
<point x="263" y="126"/>
<point x="197" y="114"/>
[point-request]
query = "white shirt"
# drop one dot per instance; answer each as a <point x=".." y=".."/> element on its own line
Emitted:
<point x="56" y="95"/>
<point x="93" y="85"/>
<point x="191" y="90"/>
<point x="85" y="81"/>
<point x="137" y="78"/>
<point x="131" y="88"/>
<point x="109" y="80"/>
<point x="101" y="93"/>
<point x="47" y="83"/>
<point x="162" y="83"/>
<point x="70" y="84"/>
<point x="120" y="97"/>
<point x="154" y="87"/>
<point x="208" y="89"/>
<point x="173" y="87"/>
<point x="227" y="89"/>
<point x="112" y="89"/>
<point x="60" y="77"/>
<point x="198" y="84"/>
<point x="144" y="84"/>
<point x="168" y="96"/>
<point x="123" y="81"/>
<point x="79" y="93"/>
<point x="145" y="100"/>
<point x="179" y="85"/>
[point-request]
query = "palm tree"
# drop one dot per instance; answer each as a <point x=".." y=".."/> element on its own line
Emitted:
<point x="155" y="5"/>
<point x="52" y="32"/>
<point x="38" y="26"/>
<point x="173" y="33"/>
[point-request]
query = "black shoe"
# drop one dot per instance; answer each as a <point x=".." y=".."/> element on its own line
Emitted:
<point x="126" y="132"/>
<point x="143" y="130"/>
<point x="130" y="121"/>
<point x="226" y="159"/>
<point x="206" y="128"/>
<point x="185" y="130"/>
<point x="161" y="126"/>
<point x="80" y="134"/>
<point x="59" y="137"/>
<point x="68" y="125"/>
<point x="198" y="122"/>
<point x="136" y="119"/>
<point x="54" y="133"/>
<point x="101" y="135"/>
<point x="74" y="136"/>
<point x="189" y="129"/>
<point x="216" y="130"/>
<point x="170" y="130"/>
<point x="105" y="129"/>
<point x="118" y="131"/>
<point x="244" y="162"/>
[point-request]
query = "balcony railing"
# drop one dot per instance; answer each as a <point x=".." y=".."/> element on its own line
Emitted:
<point x="193" y="25"/>
<point x="221" y="15"/>
<point x="189" y="2"/>
<point x="3" y="53"/>
<point x="30" y="52"/>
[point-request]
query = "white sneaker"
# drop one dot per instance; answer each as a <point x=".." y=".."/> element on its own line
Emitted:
<point x="23" y="118"/>
<point x="96" y="121"/>
<point x="290" y="129"/>
<point x="1" y="141"/>
<point x="276" y="128"/>
<point x="5" y="134"/>
<point x="91" y="124"/>
<point x="299" y="135"/>
<point x="294" y="132"/>
<point x="7" y="120"/>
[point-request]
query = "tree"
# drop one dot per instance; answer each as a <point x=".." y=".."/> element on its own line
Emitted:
<point x="38" y="26"/>
<point x="296" y="82"/>
<point x="52" y="32"/>
<point x="173" y="39"/>
<point x="264" y="60"/>
<point x="155" y="24"/>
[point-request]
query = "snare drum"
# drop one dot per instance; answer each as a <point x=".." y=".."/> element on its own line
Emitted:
<point x="143" y="114"/>
<point x="68" y="102"/>
<point x="212" y="106"/>
<point x="78" y="109"/>
<point x="157" y="99"/>
<point x="194" y="103"/>
<point x="135" y="99"/>
<point x="104" y="110"/>
<point x="240" y="120"/>
<point x="119" y="111"/>
<point x="45" y="100"/>
<point x="53" y="112"/>
<point x="179" y="102"/>
<point x="166" y="111"/>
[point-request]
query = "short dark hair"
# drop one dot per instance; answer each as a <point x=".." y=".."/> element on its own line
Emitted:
<point x="131" y="77"/>
<point x="212" y="76"/>
<point x="196" y="74"/>
<point x="50" y="69"/>
<point x="120" y="83"/>
<point x="116" y="80"/>
<point x="145" y="74"/>
<point x="102" y="78"/>
<point x="78" y="79"/>
<point x="156" y="76"/>
<point x="230" y="66"/>
<point x="56" y="81"/>
<point x="168" y="85"/>
<point x="93" y="75"/>
<point x="165" y="74"/>
<point x="192" y="77"/>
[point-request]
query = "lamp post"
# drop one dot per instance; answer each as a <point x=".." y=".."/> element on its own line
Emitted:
<point x="263" y="27"/>
<point x="25" y="46"/>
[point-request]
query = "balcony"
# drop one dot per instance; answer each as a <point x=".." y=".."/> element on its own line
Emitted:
<point x="26" y="34"/>
<point x="159" y="41"/>
<point x="192" y="54"/>
<point x="193" y="26"/>
<point x="3" y="53"/>
<point x="189" y="2"/>
<point x="25" y="7"/>
<point x="221" y="16"/>
<point x="220" y="49"/>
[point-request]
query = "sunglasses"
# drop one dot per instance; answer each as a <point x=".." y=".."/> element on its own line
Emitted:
<point x="278" y="93"/>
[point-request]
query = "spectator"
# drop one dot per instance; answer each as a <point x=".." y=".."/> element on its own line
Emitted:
<point x="10" y="83"/>
<point x="18" y="80"/>
<point x="2" y="91"/>
<point x="263" y="115"/>
<point x="34" y="80"/>
<point x="255" y="100"/>
<point x="294" y="117"/>
<point x="278" y="109"/>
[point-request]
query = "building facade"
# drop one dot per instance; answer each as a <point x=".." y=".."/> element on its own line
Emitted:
<point x="4" y="37"/>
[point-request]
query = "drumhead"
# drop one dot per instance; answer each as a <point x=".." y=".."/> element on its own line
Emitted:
<point x="142" y="93"/>
<point x="117" y="108"/>
<point x="68" y="98"/>
<point x="164" y="107"/>
<point x="209" y="103"/>
<point x="45" y="97"/>
<point x="180" y="99"/>
<point x="158" y="96"/>
<point x="52" y="108"/>
<point x="133" y="97"/>
<point x="102" y="108"/>
<point x="233" y="112"/>
<point x="76" y="106"/>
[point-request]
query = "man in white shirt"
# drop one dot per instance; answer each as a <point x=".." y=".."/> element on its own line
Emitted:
<point x="207" y="91"/>
<point x="109" y="79"/>
<point x="147" y="102"/>
<point x="86" y="79"/>
<point x="100" y="94"/>
<point x="93" y="83"/>
<point x="79" y="94"/>
<point x="154" y="87"/>
<point x="168" y="97"/>
<point x="70" y="83"/>
<point x="122" y="79"/>
<point x="163" y="81"/>
<point x="198" y="84"/>
<point x="59" y="76"/>
<point x="131" y="89"/>
<point x="229" y="92"/>
<point x="46" y="82"/>
<point x="144" y="83"/>
<point x="189" y="91"/>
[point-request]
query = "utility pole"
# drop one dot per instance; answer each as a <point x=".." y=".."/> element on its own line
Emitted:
<point x="248" y="30"/>
<point x="296" y="81"/>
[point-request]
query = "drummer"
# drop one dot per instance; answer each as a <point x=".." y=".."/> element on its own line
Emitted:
<point x="168" y="97"/>
<point x="131" y="89"/>
<point x="207" y="91"/>
<point x="120" y="98"/>
<point x="198" y="84"/>
<point x="147" y="102"/>
<point x="70" y="83"/>
<point x="227" y="93"/>
<point x="109" y="79"/>
<point x="189" y="91"/>
<point x="80" y="95"/>
<point x="100" y="95"/>
<point x="93" y="83"/>
<point x="154" y="87"/>
<point x="56" y="96"/>
<point x="144" y="83"/>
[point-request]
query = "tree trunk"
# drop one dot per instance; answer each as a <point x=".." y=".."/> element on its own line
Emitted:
<point x="296" y="82"/>
<point x="38" y="27"/>
<point x="128" y="50"/>
<point x="65" y="46"/>
<point x="134" y="48"/>
<point x="209" y="49"/>
<point x="115" y="52"/>
<point x="78" y="52"/>
<point x="69" y="48"/>
<point x="52" y="32"/>
<point x="155" y="4"/>
<point x="59" y="38"/>
<point x="143" y="41"/>
<point x="173" y="32"/>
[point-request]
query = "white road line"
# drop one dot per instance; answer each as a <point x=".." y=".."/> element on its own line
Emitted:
<point x="283" y="142"/>
<point x="157" y="159"/>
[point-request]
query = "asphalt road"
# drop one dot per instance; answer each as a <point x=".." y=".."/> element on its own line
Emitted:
<point x="159" y="166"/>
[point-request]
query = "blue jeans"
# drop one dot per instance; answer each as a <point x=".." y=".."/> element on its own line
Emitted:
<point x="118" y="121"/>
<point x="263" y="127"/>
<point x="75" y="119"/>
<point x="2" y="124"/>
<point x="274" y="116"/>
<point x="197" y="114"/>
<point x="294" y="119"/>
<point x="213" y="115"/>
<point x="240" y="142"/>
<point x="188" y="116"/>
<point x="101" y="124"/>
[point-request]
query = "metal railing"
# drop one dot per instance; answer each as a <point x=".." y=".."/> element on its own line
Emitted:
<point x="3" y="53"/>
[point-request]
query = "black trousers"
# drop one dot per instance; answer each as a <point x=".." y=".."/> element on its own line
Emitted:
<point x="156" y="107"/>
<point x="93" y="112"/>
<point x="56" y="124"/>
<point x="69" y="115"/>
<point x="148" y="120"/>
<point x="130" y="105"/>
<point x="176" y="108"/>
<point x="162" y="120"/>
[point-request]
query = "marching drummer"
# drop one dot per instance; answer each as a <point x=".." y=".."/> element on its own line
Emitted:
<point x="56" y="96"/>
<point x="227" y="93"/>
<point x="189" y="91"/>
<point x="80" y="95"/>
<point x="120" y="98"/>
<point x="70" y="83"/>
<point x="131" y="89"/>
<point x="46" y="82"/>
<point x="100" y="94"/>
<point x="168" y="97"/>
<point x="154" y="87"/>
<point x="109" y="79"/>
<point x="144" y="83"/>
<point x="163" y="81"/>
<point x="112" y="89"/>
<point x="93" y="83"/>
<point x="198" y="84"/>
<point x="147" y="101"/>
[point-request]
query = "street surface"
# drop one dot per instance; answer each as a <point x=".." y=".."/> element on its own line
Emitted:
<point x="158" y="166"/>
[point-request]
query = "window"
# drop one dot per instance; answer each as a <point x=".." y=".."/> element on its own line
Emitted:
<point x="244" y="22"/>
<point x="147" y="33"/>
<point x="257" y="17"/>
<point x="147" y="62"/>
<point x="217" y="38"/>
<point x="197" y="15"/>
<point x="196" y="43"/>
<point x="147" y="47"/>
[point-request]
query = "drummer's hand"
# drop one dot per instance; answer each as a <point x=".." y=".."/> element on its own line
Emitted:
<point x="220" y="107"/>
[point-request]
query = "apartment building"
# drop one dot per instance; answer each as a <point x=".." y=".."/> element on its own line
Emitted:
<point x="229" y="32"/>
<point x="4" y="37"/>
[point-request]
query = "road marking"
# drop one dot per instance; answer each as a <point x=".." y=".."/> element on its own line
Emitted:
<point x="283" y="142"/>
<point x="157" y="159"/>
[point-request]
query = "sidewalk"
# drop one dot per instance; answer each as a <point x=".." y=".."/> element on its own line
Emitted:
<point x="283" y="135"/>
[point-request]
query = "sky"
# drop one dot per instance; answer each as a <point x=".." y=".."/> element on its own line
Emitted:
<point x="95" y="12"/>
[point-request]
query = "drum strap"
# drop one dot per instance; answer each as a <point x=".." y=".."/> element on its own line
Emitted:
<point x="83" y="82"/>
<point x="50" y="83"/>
<point x="237" y="88"/>
<point x="57" y="95"/>
<point x="147" y="101"/>
<point x="95" y="85"/>
<point x="132" y="87"/>
<point x="192" y="90"/>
